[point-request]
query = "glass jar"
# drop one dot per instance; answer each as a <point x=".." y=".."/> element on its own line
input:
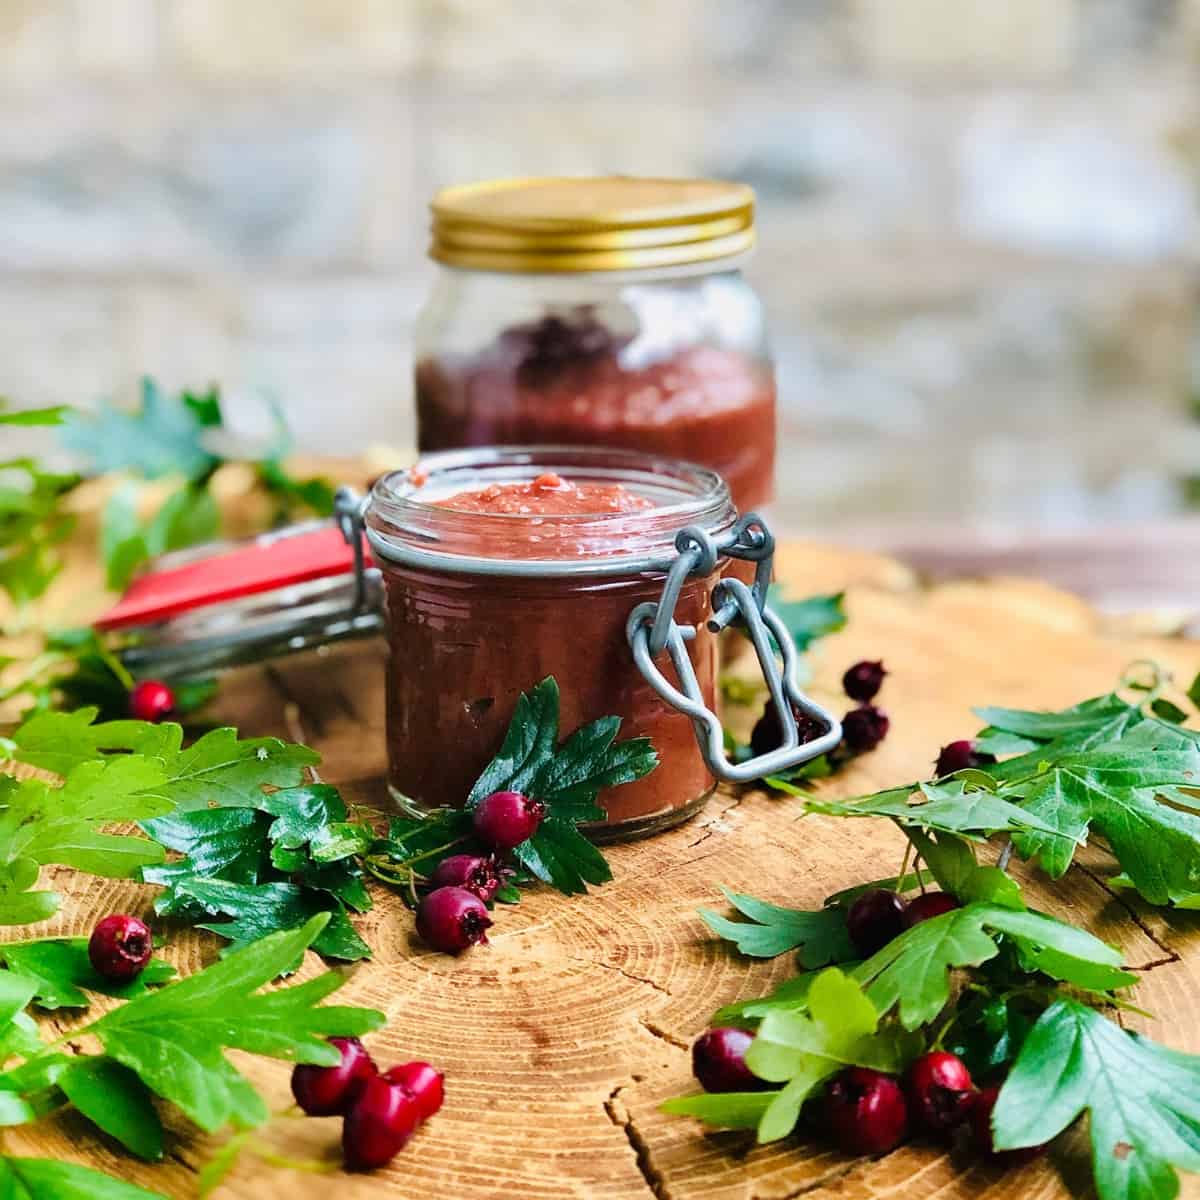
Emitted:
<point x="620" y="595"/>
<point x="599" y="312"/>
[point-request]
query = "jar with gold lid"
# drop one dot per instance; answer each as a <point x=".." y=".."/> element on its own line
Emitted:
<point x="607" y="311"/>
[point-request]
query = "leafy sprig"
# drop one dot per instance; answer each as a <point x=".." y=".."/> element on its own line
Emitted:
<point x="566" y="778"/>
<point x="1019" y="995"/>
<point x="170" y="1043"/>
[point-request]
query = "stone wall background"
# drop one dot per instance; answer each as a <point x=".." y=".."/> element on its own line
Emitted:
<point x="979" y="218"/>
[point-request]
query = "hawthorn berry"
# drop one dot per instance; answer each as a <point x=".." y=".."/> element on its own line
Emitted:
<point x="767" y="734"/>
<point x="506" y="819"/>
<point x="475" y="873"/>
<point x="959" y="756"/>
<point x="874" y="918"/>
<point x="426" y="1083"/>
<point x="379" y="1124"/>
<point x="940" y="1091"/>
<point x="863" y="681"/>
<point x="120" y="946"/>
<point x="719" y="1061"/>
<point x="451" y="919"/>
<point x="327" y="1091"/>
<point x="863" y="728"/>
<point x="866" y="1111"/>
<point x="151" y="700"/>
<point x="980" y="1118"/>
<point x="930" y="904"/>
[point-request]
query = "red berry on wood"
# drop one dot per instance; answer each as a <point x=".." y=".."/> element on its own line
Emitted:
<point x="980" y="1117"/>
<point x="767" y="734"/>
<point x="719" y="1061"/>
<point x="863" y="728"/>
<point x="866" y="1111"/>
<point x="379" y="1124"/>
<point x="151" y="700"/>
<point x="863" y="681"/>
<point x="940" y="1091"/>
<point x="120" y="946"/>
<point x="325" y="1091"/>
<point x="931" y="904"/>
<point x="874" y="918"/>
<point x="426" y="1083"/>
<point x="476" y="873"/>
<point x="451" y="919"/>
<point x="506" y="819"/>
<point x="960" y="756"/>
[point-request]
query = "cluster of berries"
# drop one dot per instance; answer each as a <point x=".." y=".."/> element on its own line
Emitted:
<point x="863" y="727"/>
<point x="380" y="1112"/>
<point x="454" y="913"/>
<point x="870" y="1112"/>
<point x="866" y="1111"/>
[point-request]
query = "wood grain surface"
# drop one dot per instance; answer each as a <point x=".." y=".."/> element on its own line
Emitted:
<point x="561" y="1038"/>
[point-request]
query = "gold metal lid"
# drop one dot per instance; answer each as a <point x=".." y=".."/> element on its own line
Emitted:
<point x="613" y="223"/>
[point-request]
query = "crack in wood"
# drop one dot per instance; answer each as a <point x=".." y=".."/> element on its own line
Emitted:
<point x="662" y="1034"/>
<point x="607" y="966"/>
<point x="1171" y="954"/>
<point x="621" y="1117"/>
<point x="813" y="1185"/>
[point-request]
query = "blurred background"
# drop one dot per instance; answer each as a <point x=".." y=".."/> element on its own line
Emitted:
<point x="979" y="230"/>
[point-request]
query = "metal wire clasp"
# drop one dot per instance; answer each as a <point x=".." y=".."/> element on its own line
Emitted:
<point x="652" y="628"/>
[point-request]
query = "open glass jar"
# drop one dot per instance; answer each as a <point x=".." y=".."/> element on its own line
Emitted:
<point x="606" y="311"/>
<point x="488" y="570"/>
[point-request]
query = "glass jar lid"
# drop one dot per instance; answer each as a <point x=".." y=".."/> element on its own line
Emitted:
<point x="411" y="520"/>
<point x="613" y="223"/>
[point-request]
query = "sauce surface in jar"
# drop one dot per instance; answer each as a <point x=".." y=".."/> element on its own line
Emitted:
<point x="466" y="643"/>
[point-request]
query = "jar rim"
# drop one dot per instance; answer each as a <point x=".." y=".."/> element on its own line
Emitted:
<point x="404" y="528"/>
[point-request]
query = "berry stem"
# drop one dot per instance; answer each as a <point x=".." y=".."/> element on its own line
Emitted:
<point x="908" y="849"/>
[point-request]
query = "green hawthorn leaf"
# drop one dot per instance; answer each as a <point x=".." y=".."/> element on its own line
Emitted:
<point x="820" y="936"/>
<point x="163" y="437"/>
<point x="569" y="780"/>
<point x="113" y="1098"/>
<point x="35" y="416"/>
<point x="561" y="856"/>
<point x="530" y="740"/>
<point x="59" y="741"/>
<point x="1115" y="791"/>
<point x="1144" y="1101"/>
<point x="302" y="813"/>
<point x="44" y="1179"/>
<point x="802" y="1050"/>
<point x="1193" y="692"/>
<point x="173" y="1038"/>
<point x="218" y="843"/>
<point x="1167" y="711"/>
<point x="912" y="971"/>
<point x="566" y="778"/>
<point x="258" y="910"/>
<point x="1091" y="717"/>
<point x="60" y="970"/>
<point x="728" y="1110"/>
<point x="222" y="770"/>
<point x="948" y="806"/>
<point x="790" y="996"/>
<point x="811" y="618"/>
<point x="341" y="840"/>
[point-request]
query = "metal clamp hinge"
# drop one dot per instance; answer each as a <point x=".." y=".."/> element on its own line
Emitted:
<point x="652" y="628"/>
